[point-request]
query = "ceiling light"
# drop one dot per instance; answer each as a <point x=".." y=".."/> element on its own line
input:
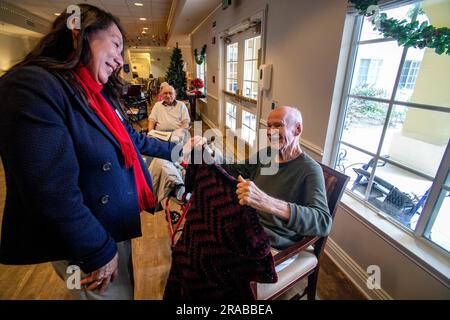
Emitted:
<point x="144" y="32"/>
<point x="142" y="19"/>
<point x="145" y="28"/>
<point x="57" y="14"/>
<point x="138" y="4"/>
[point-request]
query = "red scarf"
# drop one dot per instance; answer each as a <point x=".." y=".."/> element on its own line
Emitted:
<point x="112" y="122"/>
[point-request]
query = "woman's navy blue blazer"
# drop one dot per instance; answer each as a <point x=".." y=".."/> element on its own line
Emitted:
<point x="69" y="195"/>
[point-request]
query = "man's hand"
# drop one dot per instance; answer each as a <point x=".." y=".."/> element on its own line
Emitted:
<point x="249" y="194"/>
<point x="103" y="276"/>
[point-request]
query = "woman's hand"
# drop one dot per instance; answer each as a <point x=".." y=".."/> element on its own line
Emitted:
<point x="103" y="276"/>
<point x="195" y="142"/>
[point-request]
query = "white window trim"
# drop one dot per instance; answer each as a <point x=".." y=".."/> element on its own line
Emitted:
<point x="426" y="254"/>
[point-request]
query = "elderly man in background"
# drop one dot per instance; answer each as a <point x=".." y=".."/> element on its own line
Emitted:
<point x="168" y="115"/>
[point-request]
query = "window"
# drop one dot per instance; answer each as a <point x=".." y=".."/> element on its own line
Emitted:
<point x="409" y="74"/>
<point x="241" y="61"/>
<point x="437" y="229"/>
<point x="231" y="116"/>
<point x="248" y="127"/>
<point x="201" y="74"/>
<point x="394" y="129"/>
<point x="232" y="68"/>
<point x="252" y="47"/>
<point x="369" y="69"/>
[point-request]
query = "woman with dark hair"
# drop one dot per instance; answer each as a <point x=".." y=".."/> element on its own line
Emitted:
<point x="76" y="182"/>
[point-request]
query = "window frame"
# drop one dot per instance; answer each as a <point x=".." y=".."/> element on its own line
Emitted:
<point x="423" y="225"/>
<point x="229" y="115"/>
<point x="229" y="62"/>
<point x="201" y="73"/>
<point x="254" y="61"/>
<point x="407" y="83"/>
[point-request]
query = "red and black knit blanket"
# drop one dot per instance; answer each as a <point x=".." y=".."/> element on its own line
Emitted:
<point x="223" y="246"/>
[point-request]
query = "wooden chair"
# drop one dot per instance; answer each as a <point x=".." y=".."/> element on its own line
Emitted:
<point x="308" y="251"/>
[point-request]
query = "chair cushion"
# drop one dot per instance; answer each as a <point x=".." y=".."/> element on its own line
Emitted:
<point x="304" y="262"/>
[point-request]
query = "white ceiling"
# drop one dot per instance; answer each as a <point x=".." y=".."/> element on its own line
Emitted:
<point x="187" y="15"/>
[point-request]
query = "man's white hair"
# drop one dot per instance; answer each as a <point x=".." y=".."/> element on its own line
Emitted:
<point x="294" y="115"/>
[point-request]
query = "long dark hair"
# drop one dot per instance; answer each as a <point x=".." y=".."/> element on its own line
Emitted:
<point x="55" y="51"/>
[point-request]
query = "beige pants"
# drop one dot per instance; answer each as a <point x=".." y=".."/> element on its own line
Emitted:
<point x="121" y="289"/>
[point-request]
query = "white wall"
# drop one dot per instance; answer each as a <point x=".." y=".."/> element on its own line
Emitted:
<point x="302" y="48"/>
<point x="303" y="43"/>
<point x="159" y="63"/>
<point x="142" y="67"/>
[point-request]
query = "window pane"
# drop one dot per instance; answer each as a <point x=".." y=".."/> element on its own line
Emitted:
<point x="440" y="230"/>
<point x="248" y="70"/>
<point x="247" y="88"/>
<point x="232" y="52"/>
<point x="245" y="133"/>
<point x="401" y="13"/>
<point x="249" y="45"/>
<point x="363" y="124"/>
<point x="375" y="69"/>
<point x="230" y="119"/>
<point x="403" y="194"/>
<point x="248" y="127"/>
<point x="257" y="47"/>
<point x="235" y="66"/>
<point x="255" y="71"/>
<point x="249" y="119"/>
<point x="357" y="165"/>
<point x="425" y="78"/>
<point x="229" y="70"/>
<point x="417" y="138"/>
<point x="251" y="48"/>
<point x="231" y="122"/>
<point x="254" y="90"/>
<point x="231" y="85"/>
<point x="231" y="109"/>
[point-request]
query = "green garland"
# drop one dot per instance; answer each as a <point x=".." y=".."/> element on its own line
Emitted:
<point x="201" y="58"/>
<point x="408" y="34"/>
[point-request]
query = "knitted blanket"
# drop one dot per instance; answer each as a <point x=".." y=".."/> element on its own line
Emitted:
<point x="223" y="246"/>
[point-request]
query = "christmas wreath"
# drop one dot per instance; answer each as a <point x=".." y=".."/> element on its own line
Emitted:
<point x="201" y="58"/>
<point x="407" y="34"/>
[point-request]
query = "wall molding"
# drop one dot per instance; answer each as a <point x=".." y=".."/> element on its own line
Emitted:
<point x="210" y="123"/>
<point x="214" y="97"/>
<point x="353" y="271"/>
<point x="204" y="20"/>
<point x="388" y="233"/>
<point x="311" y="147"/>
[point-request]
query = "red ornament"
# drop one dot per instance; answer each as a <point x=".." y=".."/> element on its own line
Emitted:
<point x="197" y="83"/>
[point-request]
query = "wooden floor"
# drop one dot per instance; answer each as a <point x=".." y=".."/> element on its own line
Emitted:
<point x="151" y="260"/>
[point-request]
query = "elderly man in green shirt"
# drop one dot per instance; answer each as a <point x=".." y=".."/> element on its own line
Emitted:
<point x="292" y="200"/>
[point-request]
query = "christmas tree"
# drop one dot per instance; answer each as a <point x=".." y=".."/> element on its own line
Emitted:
<point x="175" y="76"/>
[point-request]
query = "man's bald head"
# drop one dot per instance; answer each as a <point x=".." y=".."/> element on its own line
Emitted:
<point x="289" y="114"/>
